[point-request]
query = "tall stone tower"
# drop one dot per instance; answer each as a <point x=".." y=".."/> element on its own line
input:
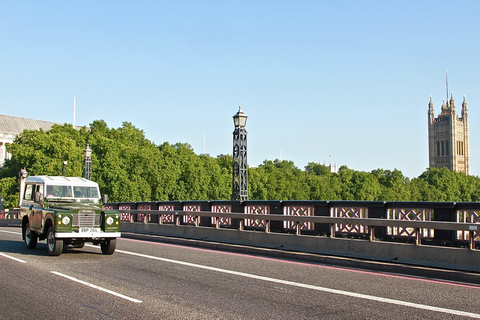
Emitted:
<point x="448" y="141"/>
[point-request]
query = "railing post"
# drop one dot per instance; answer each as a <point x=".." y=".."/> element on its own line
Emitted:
<point x="205" y="221"/>
<point x="371" y="233"/>
<point x="445" y="212"/>
<point x="471" y="237"/>
<point x="275" y="226"/>
<point x="238" y="207"/>
<point x="197" y="220"/>
<point x="378" y="210"/>
<point x="322" y="209"/>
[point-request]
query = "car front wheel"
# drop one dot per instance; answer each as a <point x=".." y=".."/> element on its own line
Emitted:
<point x="108" y="246"/>
<point x="30" y="237"/>
<point x="54" y="246"/>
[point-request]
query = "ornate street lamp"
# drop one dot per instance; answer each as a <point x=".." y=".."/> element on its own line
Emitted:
<point x="64" y="167"/>
<point x="87" y="163"/>
<point x="240" y="166"/>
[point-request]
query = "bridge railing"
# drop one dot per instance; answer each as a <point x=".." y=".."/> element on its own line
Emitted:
<point x="10" y="214"/>
<point x="435" y="223"/>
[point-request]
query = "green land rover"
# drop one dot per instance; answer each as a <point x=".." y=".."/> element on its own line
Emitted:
<point x="65" y="211"/>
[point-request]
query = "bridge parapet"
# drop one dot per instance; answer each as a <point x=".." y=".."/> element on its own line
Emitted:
<point x="435" y="223"/>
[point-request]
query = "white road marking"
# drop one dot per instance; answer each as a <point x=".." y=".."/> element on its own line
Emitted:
<point x="312" y="287"/>
<point x="10" y="257"/>
<point x="10" y="232"/>
<point x="97" y="287"/>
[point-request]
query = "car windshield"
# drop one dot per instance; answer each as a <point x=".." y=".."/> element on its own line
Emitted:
<point x="85" y="192"/>
<point x="79" y="192"/>
<point x="59" y="191"/>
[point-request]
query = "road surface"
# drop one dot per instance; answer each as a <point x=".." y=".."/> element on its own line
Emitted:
<point x="151" y="280"/>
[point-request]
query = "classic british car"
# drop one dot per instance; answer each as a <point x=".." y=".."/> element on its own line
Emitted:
<point x="66" y="211"/>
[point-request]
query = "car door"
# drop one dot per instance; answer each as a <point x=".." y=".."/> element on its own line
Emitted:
<point x="37" y="209"/>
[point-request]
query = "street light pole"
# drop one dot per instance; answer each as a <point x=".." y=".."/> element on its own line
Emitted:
<point x="64" y="167"/>
<point x="87" y="163"/>
<point x="240" y="166"/>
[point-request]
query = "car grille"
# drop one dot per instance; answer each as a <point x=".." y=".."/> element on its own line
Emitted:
<point x="86" y="218"/>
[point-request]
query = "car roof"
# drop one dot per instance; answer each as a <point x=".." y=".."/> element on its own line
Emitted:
<point x="61" y="180"/>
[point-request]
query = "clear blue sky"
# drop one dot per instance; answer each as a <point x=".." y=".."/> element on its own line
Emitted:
<point x="346" y="79"/>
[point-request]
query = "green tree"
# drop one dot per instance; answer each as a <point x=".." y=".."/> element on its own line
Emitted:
<point x="323" y="184"/>
<point x="129" y="167"/>
<point x="9" y="191"/>
<point x="278" y="180"/>
<point x="394" y="186"/>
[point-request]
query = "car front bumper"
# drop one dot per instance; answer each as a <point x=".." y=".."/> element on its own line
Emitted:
<point x="95" y="235"/>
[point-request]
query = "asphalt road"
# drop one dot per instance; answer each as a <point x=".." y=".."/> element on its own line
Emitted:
<point x="151" y="280"/>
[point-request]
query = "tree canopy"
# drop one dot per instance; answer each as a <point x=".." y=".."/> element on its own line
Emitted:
<point x="129" y="167"/>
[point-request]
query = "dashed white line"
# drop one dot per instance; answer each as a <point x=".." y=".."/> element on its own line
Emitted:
<point x="312" y="287"/>
<point x="10" y="232"/>
<point x="97" y="287"/>
<point x="13" y="258"/>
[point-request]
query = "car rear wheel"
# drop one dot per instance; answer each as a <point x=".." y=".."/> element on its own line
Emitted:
<point x="108" y="246"/>
<point x="30" y="237"/>
<point x="54" y="246"/>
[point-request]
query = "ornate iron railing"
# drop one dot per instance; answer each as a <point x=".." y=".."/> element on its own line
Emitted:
<point x="437" y="223"/>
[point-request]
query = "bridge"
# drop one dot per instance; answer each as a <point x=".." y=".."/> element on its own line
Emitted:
<point x="152" y="280"/>
<point x="160" y="269"/>
<point x="434" y="234"/>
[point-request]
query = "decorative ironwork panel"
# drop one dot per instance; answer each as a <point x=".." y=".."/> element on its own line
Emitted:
<point x="223" y="221"/>
<point x="411" y="215"/>
<point x="107" y="208"/>
<point x="123" y="215"/>
<point x="468" y="216"/>
<point x="140" y="216"/>
<point x="240" y="166"/>
<point x="260" y="210"/>
<point x="167" y="218"/>
<point x="298" y="211"/>
<point x="190" y="219"/>
<point x="350" y="212"/>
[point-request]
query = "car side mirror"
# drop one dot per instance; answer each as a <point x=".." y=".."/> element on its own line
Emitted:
<point x="38" y="197"/>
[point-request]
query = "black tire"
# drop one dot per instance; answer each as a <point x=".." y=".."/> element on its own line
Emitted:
<point x="108" y="246"/>
<point x="30" y="237"/>
<point x="54" y="246"/>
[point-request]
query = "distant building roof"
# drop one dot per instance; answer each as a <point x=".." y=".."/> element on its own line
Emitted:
<point x="16" y="125"/>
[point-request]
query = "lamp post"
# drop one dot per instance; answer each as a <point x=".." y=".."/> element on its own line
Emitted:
<point x="240" y="166"/>
<point x="64" y="166"/>
<point x="87" y="163"/>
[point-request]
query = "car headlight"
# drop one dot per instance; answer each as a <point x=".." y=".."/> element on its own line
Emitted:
<point x="66" y="220"/>
<point x="110" y="221"/>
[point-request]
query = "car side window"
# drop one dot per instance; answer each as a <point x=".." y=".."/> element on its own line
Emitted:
<point x="28" y="192"/>
<point x="39" y="188"/>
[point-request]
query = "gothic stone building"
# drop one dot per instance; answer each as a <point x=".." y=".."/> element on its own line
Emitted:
<point x="448" y="142"/>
